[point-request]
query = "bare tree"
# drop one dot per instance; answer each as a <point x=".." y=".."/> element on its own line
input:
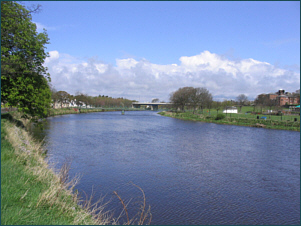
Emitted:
<point x="270" y="103"/>
<point x="192" y="97"/>
<point x="181" y="97"/>
<point x="217" y="105"/>
<point x="261" y="100"/>
<point x="242" y="100"/>
<point x="200" y="97"/>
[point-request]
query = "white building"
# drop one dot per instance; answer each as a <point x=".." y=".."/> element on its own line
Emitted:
<point x="230" y="110"/>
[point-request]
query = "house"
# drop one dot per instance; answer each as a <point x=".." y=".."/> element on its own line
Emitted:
<point x="230" y="110"/>
<point x="281" y="98"/>
<point x="69" y="103"/>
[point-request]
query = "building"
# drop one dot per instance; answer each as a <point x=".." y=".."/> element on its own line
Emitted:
<point x="281" y="98"/>
<point x="230" y="110"/>
<point x="70" y="103"/>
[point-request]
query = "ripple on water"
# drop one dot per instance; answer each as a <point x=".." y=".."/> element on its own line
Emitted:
<point x="191" y="173"/>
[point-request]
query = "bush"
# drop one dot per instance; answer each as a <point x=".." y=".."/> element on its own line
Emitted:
<point x="220" y="116"/>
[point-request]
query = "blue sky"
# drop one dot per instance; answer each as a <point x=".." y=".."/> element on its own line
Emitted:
<point x="144" y="50"/>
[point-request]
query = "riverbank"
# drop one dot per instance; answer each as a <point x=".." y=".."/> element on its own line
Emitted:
<point x="65" y="111"/>
<point x="239" y="121"/>
<point x="31" y="192"/>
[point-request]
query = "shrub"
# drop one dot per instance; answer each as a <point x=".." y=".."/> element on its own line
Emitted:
<point x="220" y="116"/>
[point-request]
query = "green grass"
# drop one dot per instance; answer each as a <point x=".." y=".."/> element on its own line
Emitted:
<point x="20" y="192"/>
<point x="272" y="122"/>
<point x="32" y="194"/>
<point x="64" y="111"/>
<point x="27" y="185"/>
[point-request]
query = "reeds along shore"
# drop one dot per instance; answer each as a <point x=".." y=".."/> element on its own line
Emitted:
<point x="33" y="194"/>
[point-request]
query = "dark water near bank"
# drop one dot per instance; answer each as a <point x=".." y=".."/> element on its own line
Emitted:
<point x="191" y="172"/>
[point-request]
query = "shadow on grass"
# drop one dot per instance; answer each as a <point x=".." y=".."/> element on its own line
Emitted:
<point x="10" y="118"/>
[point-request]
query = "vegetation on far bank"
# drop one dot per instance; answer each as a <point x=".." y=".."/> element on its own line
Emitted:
<point x="283" y="122"/>
<point x="68" y="110"/>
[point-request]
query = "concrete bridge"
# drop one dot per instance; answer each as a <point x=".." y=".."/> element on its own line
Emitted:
<point x="154" y="106"/>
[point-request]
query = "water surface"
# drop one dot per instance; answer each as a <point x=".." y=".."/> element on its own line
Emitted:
<point x="191" y="172"/>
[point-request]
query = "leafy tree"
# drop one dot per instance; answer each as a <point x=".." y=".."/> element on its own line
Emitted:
<point x="24" y="79"/>
<point x="63" y="97"/>
<point x="83" y="99"/>
<point x="54" y="96"/>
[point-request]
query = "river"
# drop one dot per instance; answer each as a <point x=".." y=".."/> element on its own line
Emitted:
<point x="191" y="172"/>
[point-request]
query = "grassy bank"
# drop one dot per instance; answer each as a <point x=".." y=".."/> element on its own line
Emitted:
<point x="64" y="111"/>
<point x="31" y="193"/>
<point x="239" y="119"/>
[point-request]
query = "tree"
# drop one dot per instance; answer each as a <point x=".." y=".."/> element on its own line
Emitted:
<point x="155" y="100"/>
<point x="226" y="104"/>
<point x="24" y="79"/>
<point x="63" y="97"/>
<point x="193" y="97"/>
<point x="200" y="97"/>
<point x="83" y="99"/>
<point x="217" y="106"/>
<point x="205" y="98"/>
<point x="261" y="101"/>
<point x="54" y="96"/>
<point x="270" y="103"/>
<point x="242" y="100"/>
<point x="180" y="98"/>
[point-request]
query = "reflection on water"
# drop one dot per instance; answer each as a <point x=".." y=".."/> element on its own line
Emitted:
<point x="191" y="172"/>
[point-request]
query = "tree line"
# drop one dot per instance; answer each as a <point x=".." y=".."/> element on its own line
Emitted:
<point x="200" y="98"/>
<point x="81" y="99"/>
<point x="25" y="82"/>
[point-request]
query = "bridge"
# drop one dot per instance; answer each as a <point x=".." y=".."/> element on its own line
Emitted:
<point x="154" y="106"/>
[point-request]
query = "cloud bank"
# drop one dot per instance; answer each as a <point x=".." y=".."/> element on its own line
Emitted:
<point x="143" y="80"/>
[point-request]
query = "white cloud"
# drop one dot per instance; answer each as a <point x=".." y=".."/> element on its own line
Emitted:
<point x="144" y="80"/>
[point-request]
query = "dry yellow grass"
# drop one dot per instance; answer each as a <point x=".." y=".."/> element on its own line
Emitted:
<point x="60" y="189"/>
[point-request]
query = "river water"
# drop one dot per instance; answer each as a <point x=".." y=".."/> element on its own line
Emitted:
<point x="191" y="172"/>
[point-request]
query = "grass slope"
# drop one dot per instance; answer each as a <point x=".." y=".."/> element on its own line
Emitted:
<point x="31" y="194"/>
<point x="240" y="119"/>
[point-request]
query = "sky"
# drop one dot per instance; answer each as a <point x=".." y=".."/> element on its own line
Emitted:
<point x="142" y="50"/>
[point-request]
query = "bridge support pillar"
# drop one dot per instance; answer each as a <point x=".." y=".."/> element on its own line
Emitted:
<point x="154" y="107"/>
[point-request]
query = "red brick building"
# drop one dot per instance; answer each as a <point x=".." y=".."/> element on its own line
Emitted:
<point x="282" y="98"/>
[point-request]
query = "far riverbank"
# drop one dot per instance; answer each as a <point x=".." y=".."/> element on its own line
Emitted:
<point x="238" y="121"/>
<point x="65" y="111"/>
